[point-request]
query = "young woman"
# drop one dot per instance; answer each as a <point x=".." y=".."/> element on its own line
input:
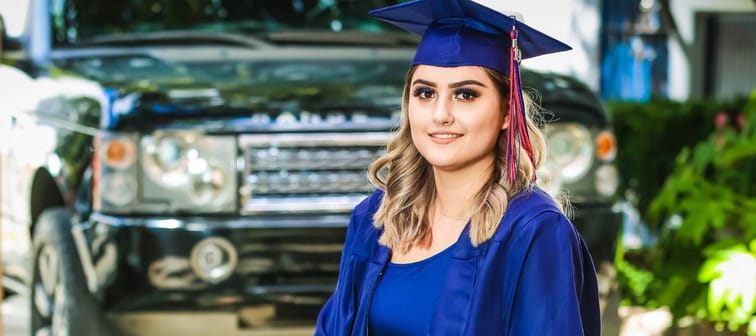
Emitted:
<point x="458" y="239"/>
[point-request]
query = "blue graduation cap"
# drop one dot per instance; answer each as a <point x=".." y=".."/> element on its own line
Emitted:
<point x="463" y="32"/>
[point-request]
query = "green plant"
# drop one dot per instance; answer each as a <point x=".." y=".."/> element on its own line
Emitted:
<point x="730" y="271"/>
<point x="704" y="264"/>
<point x="650" y="135"/>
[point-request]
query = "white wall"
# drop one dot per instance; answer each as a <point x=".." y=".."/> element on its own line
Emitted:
<point x="14" y="15"/>
<point x="684" y="12"/>
<point x="575" y="22"/>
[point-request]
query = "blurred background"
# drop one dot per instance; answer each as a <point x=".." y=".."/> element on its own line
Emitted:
<point x="189" y="166"/>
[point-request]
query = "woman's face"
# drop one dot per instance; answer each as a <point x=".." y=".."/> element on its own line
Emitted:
<point x="455" y="116"/>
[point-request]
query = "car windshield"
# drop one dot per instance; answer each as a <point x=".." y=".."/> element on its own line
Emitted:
<point x="77" y="20"/>
<point x="258" y="83"/>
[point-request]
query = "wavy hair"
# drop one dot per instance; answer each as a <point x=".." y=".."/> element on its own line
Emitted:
<point x="409" y="186"/>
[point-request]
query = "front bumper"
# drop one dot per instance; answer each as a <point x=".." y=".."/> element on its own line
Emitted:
<point x="285" y="266"/>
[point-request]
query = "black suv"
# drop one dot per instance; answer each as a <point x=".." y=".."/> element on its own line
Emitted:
<point x="190" y="169"/>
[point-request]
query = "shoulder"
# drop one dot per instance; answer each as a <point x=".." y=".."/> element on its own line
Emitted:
<point x="533" y="199"/>
<point x="368" y="206"/>
<point x="533" y="210"/>
<point x="361" y="222"/>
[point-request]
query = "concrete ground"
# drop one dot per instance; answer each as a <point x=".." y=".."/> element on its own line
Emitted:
<point x="634" y="321"/>
<point x="16" y="317"/>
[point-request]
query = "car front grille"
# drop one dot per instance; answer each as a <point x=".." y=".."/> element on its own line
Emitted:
<point x="307" y="172"/>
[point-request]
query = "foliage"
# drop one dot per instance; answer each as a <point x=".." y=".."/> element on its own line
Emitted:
<point x="704" y="264"/>
<point x="650" y="135"/>
<point x="731" y="274"/>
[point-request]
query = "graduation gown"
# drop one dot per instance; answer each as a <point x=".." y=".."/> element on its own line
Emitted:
<point x="534" y="277"/>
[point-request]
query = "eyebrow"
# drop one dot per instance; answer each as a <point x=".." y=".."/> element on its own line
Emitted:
<point x="452" y="85"/>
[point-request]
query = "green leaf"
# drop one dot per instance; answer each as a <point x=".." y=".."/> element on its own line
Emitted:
<point x="703" y="155"/>
<point x="731" y="273"/>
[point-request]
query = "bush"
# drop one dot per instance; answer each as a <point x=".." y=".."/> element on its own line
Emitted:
<point x="704" y="264"/>
<point x="650" y="135"/>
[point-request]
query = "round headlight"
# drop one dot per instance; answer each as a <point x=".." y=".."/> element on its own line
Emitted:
<point x="167" y="153"/>
<point x="214" y="259"/>
<point x="549" y="180"/>
<point x="571" y="149"/>
<point x="166" y="158"/>
<point x="207" y="181"/>
<point x="118" y="189"/>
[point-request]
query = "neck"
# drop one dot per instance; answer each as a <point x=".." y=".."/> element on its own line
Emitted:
<point x="456" y="190"/>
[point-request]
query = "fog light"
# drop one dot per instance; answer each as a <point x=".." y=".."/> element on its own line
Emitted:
<point x="607" y="180"/>
<point x="214" y="259"/>
<point x="118" y="189"/>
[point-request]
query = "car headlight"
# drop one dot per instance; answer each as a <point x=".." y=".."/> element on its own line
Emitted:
<point x="549" y="179"/>
<point x="120" y="189"/>
<point x="207" y="180"/>
<point x="607" y="179"/>
<point x="571" y="150"/>
<point x="189" y="171"/>
<point x="115" y="187"/>
<point x="166" y="157"/>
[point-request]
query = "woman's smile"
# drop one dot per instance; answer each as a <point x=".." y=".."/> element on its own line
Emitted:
<point x="443" y="138"/>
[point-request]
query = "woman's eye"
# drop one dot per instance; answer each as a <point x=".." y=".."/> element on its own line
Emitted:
<point x="424" y="93"/>
<point x="465" y="94"/>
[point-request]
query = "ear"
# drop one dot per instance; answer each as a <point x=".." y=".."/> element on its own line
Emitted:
<point x="505" y="122"/>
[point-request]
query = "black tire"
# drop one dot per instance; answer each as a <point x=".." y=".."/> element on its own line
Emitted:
<point x="61" y="304"/>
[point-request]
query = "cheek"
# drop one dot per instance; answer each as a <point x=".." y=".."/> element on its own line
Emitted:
<point x="415" y="116"/>
<point x="415" y="123"/>
<point x="489" y="126"/>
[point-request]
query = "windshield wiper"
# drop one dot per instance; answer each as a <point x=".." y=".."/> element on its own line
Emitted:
<point x="174" y="37"/>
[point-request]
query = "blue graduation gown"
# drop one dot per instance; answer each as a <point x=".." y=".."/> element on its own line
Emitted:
<point x="534" y="277"/>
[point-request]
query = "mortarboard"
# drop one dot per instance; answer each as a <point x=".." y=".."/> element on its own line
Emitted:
<point x="463" y="32"/>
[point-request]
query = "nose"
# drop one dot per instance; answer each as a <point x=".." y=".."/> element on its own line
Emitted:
<point x="442" y="114"/>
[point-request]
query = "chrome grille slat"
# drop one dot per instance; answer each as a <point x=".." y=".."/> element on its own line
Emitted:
<point x="307" y="172"/>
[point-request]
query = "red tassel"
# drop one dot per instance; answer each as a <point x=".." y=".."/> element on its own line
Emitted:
<point x="518" y="128"/>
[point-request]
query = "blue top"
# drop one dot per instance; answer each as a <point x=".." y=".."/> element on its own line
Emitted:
<point x="534" y="277"/>
<point x="406" y="294"/>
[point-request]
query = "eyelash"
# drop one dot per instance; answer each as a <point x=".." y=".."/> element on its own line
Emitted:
<point x="428" y="93"/>
<point x="424" y="93"/>
<point x="469" y="94"/>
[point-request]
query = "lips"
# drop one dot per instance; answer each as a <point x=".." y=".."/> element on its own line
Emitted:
<point x="446" y="135"/>
<point x="443" y="138"/>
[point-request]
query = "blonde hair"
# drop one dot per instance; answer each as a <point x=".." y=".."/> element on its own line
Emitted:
<point x="409" y="186"/>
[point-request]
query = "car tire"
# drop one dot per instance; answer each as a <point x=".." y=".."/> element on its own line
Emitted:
<point x="60" y="303"/>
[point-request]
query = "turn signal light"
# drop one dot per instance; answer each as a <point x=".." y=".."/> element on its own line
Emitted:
<point x="606" y="146"/>
<point x="119" y="153"/>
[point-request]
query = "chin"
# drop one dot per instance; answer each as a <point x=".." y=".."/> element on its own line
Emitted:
<point x="444" y="163"/>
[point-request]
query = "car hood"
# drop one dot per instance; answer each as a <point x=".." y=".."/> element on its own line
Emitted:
<point x="268" y="85"/>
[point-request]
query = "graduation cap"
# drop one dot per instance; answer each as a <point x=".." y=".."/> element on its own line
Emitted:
<point x="462" y="33"/>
